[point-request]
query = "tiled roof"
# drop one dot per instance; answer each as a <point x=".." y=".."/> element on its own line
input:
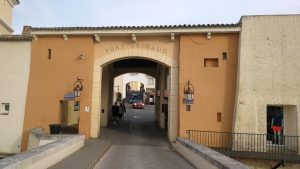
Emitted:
<point x="27" y="29"/>
<point x="15" y="38"/>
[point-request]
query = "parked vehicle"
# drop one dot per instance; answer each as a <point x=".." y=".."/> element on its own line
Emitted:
<point x="138" y="104"/>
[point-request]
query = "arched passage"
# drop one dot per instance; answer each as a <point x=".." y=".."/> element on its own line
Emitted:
<point x="170" y="63"/>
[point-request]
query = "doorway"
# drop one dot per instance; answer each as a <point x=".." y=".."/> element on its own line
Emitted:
<point x="275" y="114"/>
<point x="107" y="67"/>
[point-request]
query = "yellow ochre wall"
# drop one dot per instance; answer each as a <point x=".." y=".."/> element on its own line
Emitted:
<point x="51" y="79"/>
<point x="215" y="87"/>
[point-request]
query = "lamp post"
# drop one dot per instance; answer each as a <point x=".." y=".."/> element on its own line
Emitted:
<point x="77" y="87"/>
<point x="188" y="93"/>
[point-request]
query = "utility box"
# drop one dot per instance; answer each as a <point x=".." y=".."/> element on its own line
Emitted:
<point x="69" y="112"/>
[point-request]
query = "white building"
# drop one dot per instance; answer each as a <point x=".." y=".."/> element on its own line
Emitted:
<point x="6" y="8"/>
<point x="134" y="80"/>
<point x="14" y="74"/>
<point x="138" y="79"/>
<point x="268" y="74"/>
<point x="15" y="54"/>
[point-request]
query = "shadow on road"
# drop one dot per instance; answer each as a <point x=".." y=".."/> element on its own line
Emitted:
<point x="138" y="128"/>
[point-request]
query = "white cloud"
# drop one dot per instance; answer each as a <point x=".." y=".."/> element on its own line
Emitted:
<point x="138" y="12"/>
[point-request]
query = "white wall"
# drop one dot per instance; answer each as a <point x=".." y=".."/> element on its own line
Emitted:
<point x="14" y="75"/>
<point x="118" y="87"/>
<point x="290" y="121"/>
<point x="269" y="69"/>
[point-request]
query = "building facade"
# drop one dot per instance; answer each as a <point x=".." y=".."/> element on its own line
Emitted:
<point x="268" y="74"/>
<point x="15" y="58"/>
<point x="237" y="71"/>
<point x="15" y="54"/>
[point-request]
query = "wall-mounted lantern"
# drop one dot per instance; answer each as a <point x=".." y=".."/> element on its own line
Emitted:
<point x="77" y="87"/>
<point x="188" y="93"/>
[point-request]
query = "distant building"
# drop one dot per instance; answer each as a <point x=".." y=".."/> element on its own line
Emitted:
<point x="6" y="8"/>
<point x="127" y="83"/>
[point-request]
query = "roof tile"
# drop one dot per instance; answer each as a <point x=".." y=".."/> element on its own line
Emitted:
<point x="28" y="29"/>
<point x="15" y="38"/>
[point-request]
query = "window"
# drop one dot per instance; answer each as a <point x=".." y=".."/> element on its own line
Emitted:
<point x="5" y="107"/>
<point x="224" y="55"/>
<point x="219" y="117"/>
<point x="150" y="81"/>
<point x="49" y="54"/>
<point x="211" y="62"/>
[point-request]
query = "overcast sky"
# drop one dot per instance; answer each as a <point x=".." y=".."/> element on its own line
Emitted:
<point x="49" y="13"/>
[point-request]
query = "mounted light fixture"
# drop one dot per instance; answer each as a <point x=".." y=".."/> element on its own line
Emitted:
<point x="188" y="93"/>
<point x="77" y="87"/>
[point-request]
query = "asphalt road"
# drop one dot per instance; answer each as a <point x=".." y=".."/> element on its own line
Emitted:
<point x="138" y="142"/>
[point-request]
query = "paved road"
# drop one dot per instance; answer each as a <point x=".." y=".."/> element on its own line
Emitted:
<point x="138" y="142"/>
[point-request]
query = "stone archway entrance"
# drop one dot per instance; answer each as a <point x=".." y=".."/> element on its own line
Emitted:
<point x="141" y="53"/>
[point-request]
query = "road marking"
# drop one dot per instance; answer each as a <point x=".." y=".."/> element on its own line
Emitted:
<point x="137" y="117"/>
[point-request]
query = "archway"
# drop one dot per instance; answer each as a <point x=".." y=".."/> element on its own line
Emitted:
<point x="167" y="62"/>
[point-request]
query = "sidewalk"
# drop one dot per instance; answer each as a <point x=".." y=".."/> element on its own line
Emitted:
<point x="86" y="157"/>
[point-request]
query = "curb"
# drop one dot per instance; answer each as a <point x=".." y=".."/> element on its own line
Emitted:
<point x="92" y="164"/>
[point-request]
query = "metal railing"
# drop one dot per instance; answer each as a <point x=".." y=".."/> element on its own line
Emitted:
<point x="247" y="145"/>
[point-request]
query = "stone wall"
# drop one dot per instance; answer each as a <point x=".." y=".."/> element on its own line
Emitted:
<point x="268" y="72"/>
<point x="46" y="155"/>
